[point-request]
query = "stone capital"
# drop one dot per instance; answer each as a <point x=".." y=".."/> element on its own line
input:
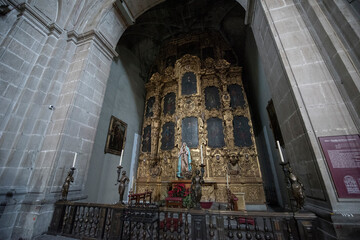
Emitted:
<point x="95" y="36"/>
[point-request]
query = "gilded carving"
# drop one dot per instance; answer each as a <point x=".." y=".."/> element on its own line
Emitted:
<point x="158" y="167"/>
<point x="208" y="194"/>
<point x="169" y="74"/>
<point x="220" y="194"/>
<point x="155" y="169"/>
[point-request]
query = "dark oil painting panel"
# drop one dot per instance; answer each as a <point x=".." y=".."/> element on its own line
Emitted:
<point x="236" y="96"/>
<point x="167" y="136"/>
<point x="190" y="132"/>
<point x="212" y="99"/>
<point x="149" y="107"/>
<point x="169" y="103"/>
<point x="242" y="134"/>
<point x="116" y="136"/>
<point x="188" y="84"/>
<point x="274" y="123"/>
<point x="146" y="139"/>
<point x="215" y="133"/>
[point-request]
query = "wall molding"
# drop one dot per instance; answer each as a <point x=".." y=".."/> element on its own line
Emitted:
<point x="95" y="36"/>
<point x="39" y="19"/>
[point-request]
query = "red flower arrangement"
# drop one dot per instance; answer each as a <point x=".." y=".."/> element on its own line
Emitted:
<point x="179" y="190"/>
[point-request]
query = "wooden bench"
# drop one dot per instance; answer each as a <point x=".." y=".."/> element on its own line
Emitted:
<point x="175" y="202"/>
<point x="140" y="197"/>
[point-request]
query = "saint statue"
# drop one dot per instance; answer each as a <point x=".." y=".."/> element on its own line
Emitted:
<point x="184" y="164"/>
<point x="233" y="165"/>
<point x="123" y="180"/>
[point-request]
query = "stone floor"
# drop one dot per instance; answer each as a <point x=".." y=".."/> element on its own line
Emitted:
<point x="52" y="237"/>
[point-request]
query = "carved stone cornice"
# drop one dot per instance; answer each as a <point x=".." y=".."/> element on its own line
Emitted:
<point x="39" y="19"/>
<point x="95" y="36"/>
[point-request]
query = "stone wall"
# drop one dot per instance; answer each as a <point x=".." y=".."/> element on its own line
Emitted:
<point x="48" y="59"/>
<point x="308" y="100"/>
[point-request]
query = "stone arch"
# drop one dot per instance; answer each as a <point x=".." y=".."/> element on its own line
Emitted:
<point x="49" y="8"/>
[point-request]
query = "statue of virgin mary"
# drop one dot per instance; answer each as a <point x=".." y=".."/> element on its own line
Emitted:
<point x="184" y="163"/>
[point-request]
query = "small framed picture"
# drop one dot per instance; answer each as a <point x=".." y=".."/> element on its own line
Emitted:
<point x="116" y="137"/>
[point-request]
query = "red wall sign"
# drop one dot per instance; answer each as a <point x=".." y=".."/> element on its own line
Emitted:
<point x="342" y="154"/>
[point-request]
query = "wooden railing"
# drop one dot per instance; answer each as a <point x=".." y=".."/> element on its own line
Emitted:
<point x="97" y="221"/>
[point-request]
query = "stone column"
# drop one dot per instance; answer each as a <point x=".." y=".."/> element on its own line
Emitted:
<point x="308" y="99"/>
<point x="27" y="87"/>
<point x="73" y="126"/>
<point x="43" y="65"/>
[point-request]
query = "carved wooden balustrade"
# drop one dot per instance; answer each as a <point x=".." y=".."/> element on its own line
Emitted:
<point x="99" y="221"/>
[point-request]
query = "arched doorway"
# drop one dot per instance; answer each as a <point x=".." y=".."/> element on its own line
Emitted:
<point x="141" y="45"/>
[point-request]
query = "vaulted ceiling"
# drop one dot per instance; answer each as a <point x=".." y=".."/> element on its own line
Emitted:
<point x="174" y="17"/>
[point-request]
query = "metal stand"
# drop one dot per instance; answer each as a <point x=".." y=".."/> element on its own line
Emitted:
<point x="65" y="188"/>
<point x="297" y="190"/>
<point x="202" y="169"/>
<point x="295" y="187"/>
<point x="121" y="180"/>
<point x="196" y="186"/>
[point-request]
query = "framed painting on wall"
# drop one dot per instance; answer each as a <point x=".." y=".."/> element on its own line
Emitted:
<point x="188" y="84"/>
<point x="212" y="99"/>
<point x="116" y="136"/>
<point x="149" y="107"/>
<point x="146" y="139"/>
<point x="274" y="123"/>
<point x="167" y="136"/>
<point x="169" y="104"/>
<point x="242" y="134"/>
<point x="189" y="133"/>
<point x="215" y="133"/>
<point x="236" y="96"/>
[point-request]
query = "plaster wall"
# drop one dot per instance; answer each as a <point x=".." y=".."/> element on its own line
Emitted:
<point x="124" y="99"/>
<point x="259" y="96"/>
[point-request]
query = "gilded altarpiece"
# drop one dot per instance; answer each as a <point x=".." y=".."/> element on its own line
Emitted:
<point x="207" y="97"/>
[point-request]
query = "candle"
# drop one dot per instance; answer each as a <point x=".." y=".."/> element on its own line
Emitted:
<point x="74" y="159"/>
<point x="121" y="157"/>
<point x="227" y="180"/>
<point x="202" y="159"/>
<point x="281" y="156"/>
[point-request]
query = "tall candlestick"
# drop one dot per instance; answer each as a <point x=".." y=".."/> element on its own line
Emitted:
<point x="132" y="182"/>
<point x="74" y="160"/>
<point x="281" y="155"/>
<point x="121" y="157"/>
<point x="202" y="159"/>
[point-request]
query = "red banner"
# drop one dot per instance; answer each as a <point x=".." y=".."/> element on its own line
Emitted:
<point x="342" y="154"/>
